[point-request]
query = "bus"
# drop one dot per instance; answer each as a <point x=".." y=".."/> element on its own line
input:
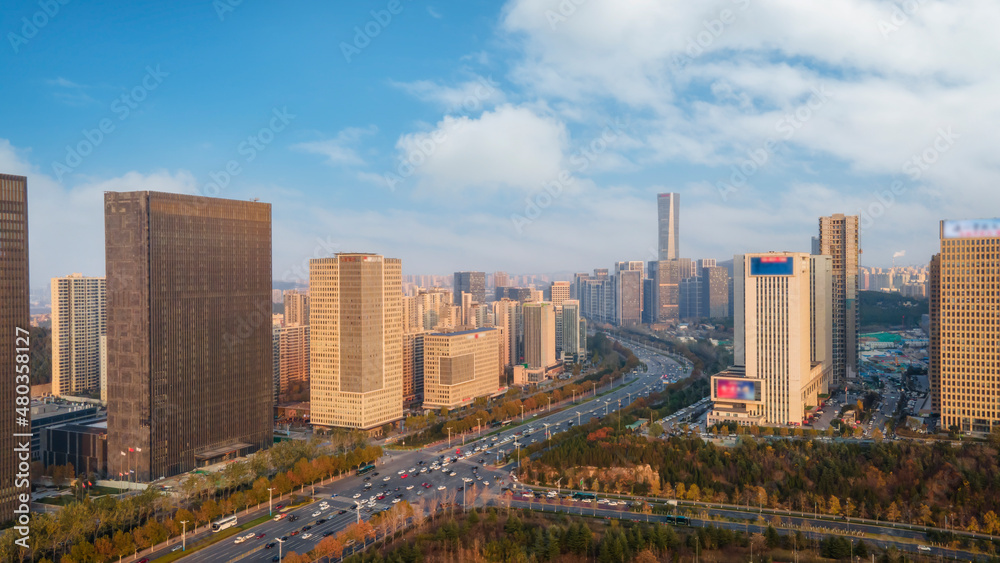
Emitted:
<point x="581" y="496"/>
<point x="224" y="523"/>
<point x="505" y="423"/>
<point x="366" y="469"/>
<point x="678" y="520"/>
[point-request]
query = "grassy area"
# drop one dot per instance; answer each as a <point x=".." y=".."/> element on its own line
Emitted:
<point x="211" y="540"/>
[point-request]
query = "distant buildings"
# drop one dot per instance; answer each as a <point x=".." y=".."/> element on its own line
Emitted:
<point x="965" y="325"/>
<point x="356" y="316"/>
<point x="572" y="344"/>
<point x="189" y="338"/>
<point x="296" y="308"/>
<point x="664" y="292"/>
<point x="293" y="360"/>
<point x="79" y="323"/>
<point x="782" y="340"/>
<point x="413" y="367"/>
<point x="559" y="291"/>
<point x="473" y="283"/>
<point x="838" y="238"/>
<point x="460" y="366"/>
<point x="13" y="316"/>
<point x="668" y="212"/>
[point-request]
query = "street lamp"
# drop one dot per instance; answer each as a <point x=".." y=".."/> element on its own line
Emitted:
<point x="184" y="535"/>
<point x="449" y="436"/>
<point x="479" y="425"/>
<point x="550" y="403"/>
<point x="281" y="543"/>
<point x="578" y="418"/>
<point x="269" y="496"/>
<point x="595" y="387"/>
<point x="605" y="408"/>
<point x="522" y="413"/>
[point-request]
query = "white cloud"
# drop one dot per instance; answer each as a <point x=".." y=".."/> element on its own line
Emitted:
<point x="468" y="97"/>
<point x="510" y="147"/>
<point x="339" y="151"/>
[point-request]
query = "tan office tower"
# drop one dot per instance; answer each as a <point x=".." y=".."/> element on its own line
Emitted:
<point x="505" y="315"/>
<point x="293" y="377"/>
<point x="357" y="341"/>
<point x="296" y="308"/>
<point x="13" y="316"/>
<point x="460" y="366"/>
<point x="413" y="367"/>
<point x="838" y="238"/>
<point x="559" y="292"/>
<point x="79" y="319"/>
<point x="782" y="340"/>
<point x="190" y="373"/>
<point x="571" y="327"/>
<point x="965" y="325"/>
<point x="539" y="335"/>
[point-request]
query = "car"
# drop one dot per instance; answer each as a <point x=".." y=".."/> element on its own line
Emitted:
<point x="400" y="472"/>
<point x="386" y="478"/>
<point x="283" y="538"/>
<point x="923" y="548"/>
<point x="327" y="533"/>
<point x="306" y="528"/>
<point x="380" y="497"/>
<point x="334" y="495"/>
<point x="413" y="469"/>
<point x="259" y="536"/>
<point x="404" y="476"/>
<point x="461" y="488"/>
<point x="442" y="487"/>
<point x="177" y="547"/>
<point x="279" y="507"/>
<point x="423" y="470"/>
<point x="486" y="483"/>
<point x="294" y="533"/>
<point x="240" y="539"/>
<point x="409" y="487"/>
<point x="357" y="495"/>
<point x="373" y="475"/>
<point x="275" y="558"/>
<point x="322" y="520"/>
<point x="317" y="513"/>
<point x="368" y="478"/>
<point x="452" y="474"/>
<point x="306" y="536"/>
<point x="419" y="493"/>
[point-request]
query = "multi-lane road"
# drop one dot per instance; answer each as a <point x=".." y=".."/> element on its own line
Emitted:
<point x="441" y="485"/>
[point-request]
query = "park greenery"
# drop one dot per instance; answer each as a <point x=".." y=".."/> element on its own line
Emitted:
<point x="98" y="530"/>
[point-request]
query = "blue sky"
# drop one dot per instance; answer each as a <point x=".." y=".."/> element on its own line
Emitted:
<point x="527" y="135"/>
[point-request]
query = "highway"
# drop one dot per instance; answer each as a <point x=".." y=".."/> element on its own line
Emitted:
<point x="443" y="487"/>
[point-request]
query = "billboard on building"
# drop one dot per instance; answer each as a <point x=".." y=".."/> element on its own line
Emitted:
<point x="772" y="265"/>
<point x="971" y="228"/>
<point x="736" y="389"/>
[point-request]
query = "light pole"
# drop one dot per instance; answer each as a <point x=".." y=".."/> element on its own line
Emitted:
<point x="522" y="413"/>
<point x="594" y="383"/>
<point x="449" y="437"/>
<point x="479" y="425"/>
<point x="578" y="418"/>
<point x="281" y="544"/>
<point x="184" y="535"/>
<point x="550" y="403"/>
<point x="605" y="408"/>
<point x="269" y="496"/>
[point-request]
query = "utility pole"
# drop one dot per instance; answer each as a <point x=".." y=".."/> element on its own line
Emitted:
<point x="522" y="413"/>
<point x="449" y="437"/>
<point x="479" y="425"/>
<point x="184" y="535"/>
<point x="269" y="495"/>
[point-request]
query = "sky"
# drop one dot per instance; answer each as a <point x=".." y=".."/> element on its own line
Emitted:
<point x="528" y="136"/>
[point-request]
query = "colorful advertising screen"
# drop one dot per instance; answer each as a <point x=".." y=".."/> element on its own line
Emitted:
<point x="737" y="390"/>
<point x="971" y="228"/>
<point x="772" y="265"/>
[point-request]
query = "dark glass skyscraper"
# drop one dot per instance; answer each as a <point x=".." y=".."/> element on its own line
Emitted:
<point x="189" y="331"/>
<point x="473" y="283"/>
<point x="13" y="315"/>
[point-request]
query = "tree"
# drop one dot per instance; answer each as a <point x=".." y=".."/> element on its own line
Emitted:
<point x="656" y="429"/>
<point x="772" y="538"/>
<point x="833" y="506"/>
<point x="925" y="515"/>
<point x="892" y="513"/>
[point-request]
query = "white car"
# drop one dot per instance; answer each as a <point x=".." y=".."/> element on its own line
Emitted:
<point x="486" y="483"/>
<point x="413" y="470"/>
<point x="317" y="513"/>
<point x="452" y="474"/>
<point x="400" y="472"/>
<point x="395" y="500"/>
<point x="442" y="487"/>
<point x="386" y="478"/>
<point x="240" y="539"/>
<point x="409" y="487"/>
<point x="923" y="548"/>
<point x="306" y="536"/>
<point x="357" y="495"/>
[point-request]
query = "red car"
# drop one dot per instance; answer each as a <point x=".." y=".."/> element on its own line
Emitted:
<point x="403" y="476"/>
<point x="259" y="536"/>
<point x="294" y="533"/>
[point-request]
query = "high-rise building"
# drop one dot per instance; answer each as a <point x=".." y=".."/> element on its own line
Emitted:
<point x="665" y="285"/>
<point x="293" y="363"/>
<point x="296" y="308"/>
<point x="782" y="340"/>
<point x="473" y="283"/>
<point x="539" y="335"/>
<point x="690" y="290"/>
<point x="500" y="279"/>
<point x="460" y="366"/>
<point x="965" y="325"/>
<point x="413" y="367"/>
<point x="559" y="292"/>
<point x="628" y="297"/>
<point x="571" y="327"/>
<point x="669" y="212"/>
<point x="838" y="238"/>
<point x="356" y="317"/>
<point x="715" y="292"/>
<point x="705" y="263"/>
<point x="190" y="372"/>
<point x="14" y="319"/>
<point x="506" y="315"/>
<point x="79" y="320"/>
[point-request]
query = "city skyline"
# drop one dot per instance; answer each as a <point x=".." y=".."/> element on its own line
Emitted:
<point x="622" y="132"/>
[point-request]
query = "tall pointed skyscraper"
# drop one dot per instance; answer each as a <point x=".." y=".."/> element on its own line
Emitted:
<point x="669" y="211"/>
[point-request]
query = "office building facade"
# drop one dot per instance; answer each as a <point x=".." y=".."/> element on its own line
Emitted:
<point x="356" y="317"/>
<point x="79" y="320"/>
<point x="539" y="335"/>
<point x="293" y="363"/>
<point x="838" y="238"/>
<point x="473" y="283"/>
<point x="296" y="308"/>
<point x="460" y="366"/>
<point x="413" y="367"/>
<point x="183" y="394"/>
<point x="965" y="326"/>
<point x="13" y="316"/>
